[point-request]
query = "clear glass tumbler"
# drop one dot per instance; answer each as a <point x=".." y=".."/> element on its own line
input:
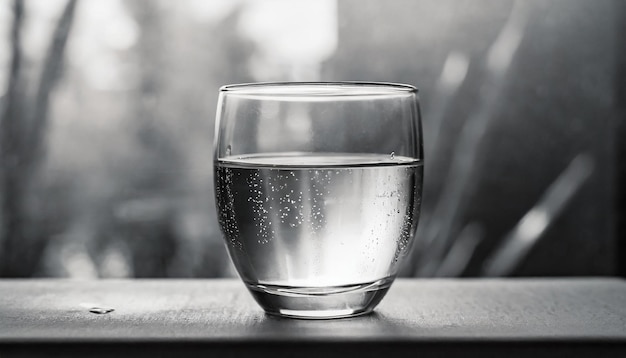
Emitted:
<point x="318" y="189"/>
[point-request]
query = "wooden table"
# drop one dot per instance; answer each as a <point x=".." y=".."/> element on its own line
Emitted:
<point x="538" y="317"/>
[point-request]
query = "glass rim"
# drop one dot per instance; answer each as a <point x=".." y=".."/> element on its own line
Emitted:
<point x="319" y="89"/>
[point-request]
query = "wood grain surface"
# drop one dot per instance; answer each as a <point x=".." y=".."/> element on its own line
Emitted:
<point x="551" y="317"/>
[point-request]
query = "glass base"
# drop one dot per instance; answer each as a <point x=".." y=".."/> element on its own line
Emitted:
<point x="320" y="302"/>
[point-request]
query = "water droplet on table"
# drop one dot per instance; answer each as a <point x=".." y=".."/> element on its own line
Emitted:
<point x="101" y="310"/>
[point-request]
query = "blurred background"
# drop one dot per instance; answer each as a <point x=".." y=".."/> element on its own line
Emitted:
<point x="107" y="117"/>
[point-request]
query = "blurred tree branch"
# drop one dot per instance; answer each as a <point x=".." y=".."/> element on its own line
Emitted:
<point x="10" y="146"/>
<point x="49" y="77"/>
<point x="467" y="160"/>
<point x="22" y="135"/>
<point x="12" y="91"/>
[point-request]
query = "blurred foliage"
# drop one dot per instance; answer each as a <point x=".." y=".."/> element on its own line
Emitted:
<point x="108" y="113"/>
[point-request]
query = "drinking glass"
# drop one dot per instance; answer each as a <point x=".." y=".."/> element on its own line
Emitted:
<point x="318" y="189"/>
